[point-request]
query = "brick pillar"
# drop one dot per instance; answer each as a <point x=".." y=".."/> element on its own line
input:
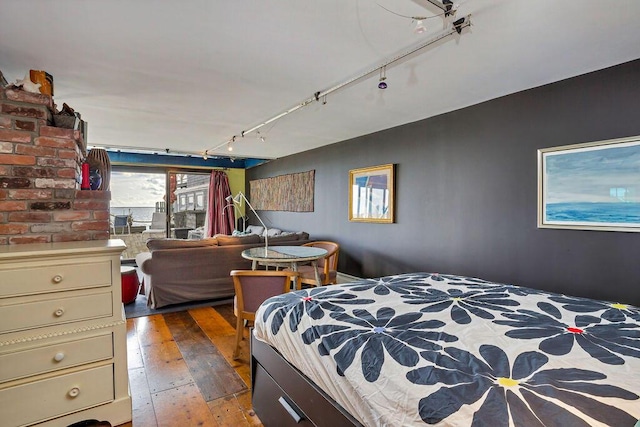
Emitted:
<point x="40" y="196"/>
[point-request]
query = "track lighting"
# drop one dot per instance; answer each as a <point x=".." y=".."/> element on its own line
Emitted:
<point x="205" y="155"/>
<point x="448" y="9"/>
<point x="260" y="137"/>
<point x="458" y="25"/>
<point x="420" y="28"/>
<point x="383" y="77"/>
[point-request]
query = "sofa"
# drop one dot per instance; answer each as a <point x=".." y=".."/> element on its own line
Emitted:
<point x="178" y="270"/>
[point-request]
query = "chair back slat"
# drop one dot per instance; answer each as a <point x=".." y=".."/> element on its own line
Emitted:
<point x="121" y="220"/>
<point x="254" y="287"/>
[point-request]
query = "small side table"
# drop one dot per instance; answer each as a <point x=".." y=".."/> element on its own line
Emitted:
<point x="130" y="284"/>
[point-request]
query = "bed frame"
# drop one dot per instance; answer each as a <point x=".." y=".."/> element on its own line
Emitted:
<point x="283" y="396"/>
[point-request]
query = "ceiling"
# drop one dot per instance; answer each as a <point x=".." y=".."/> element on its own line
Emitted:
<point x="189" y="75"/>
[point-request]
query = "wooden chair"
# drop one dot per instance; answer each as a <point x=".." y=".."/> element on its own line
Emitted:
<point x="327" y="266"/>
<point x="252" y="289"/>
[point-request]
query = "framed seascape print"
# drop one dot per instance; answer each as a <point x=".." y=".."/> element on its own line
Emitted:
<point x="592" y="186"/>
<point x="371" y="194"/>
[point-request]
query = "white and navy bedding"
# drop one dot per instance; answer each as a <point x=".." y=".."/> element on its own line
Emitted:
<point x="430" y="349"/>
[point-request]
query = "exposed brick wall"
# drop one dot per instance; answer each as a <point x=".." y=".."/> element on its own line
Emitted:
<point x="40" y="196"/>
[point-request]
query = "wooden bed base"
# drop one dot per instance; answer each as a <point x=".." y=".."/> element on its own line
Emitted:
<point x="283" y="396"/>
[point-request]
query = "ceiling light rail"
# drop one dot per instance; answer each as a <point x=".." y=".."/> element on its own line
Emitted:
<point x="152" y="151"/>
<point x="447" y="6"/>
<point x="143" y="150"/>
<point x="456" y="28"/>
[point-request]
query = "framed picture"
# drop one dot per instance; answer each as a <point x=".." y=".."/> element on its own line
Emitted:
<point x="591" y="186"/>
<point x="371" y="194"/>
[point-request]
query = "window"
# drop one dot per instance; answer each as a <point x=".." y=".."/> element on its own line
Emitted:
<point x="200" y="200"/>
<point x="141" y="191"/>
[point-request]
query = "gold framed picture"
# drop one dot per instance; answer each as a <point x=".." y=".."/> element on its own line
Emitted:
<point x="371" y="192"/>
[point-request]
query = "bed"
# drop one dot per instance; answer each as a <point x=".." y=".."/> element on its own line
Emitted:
<point x="444" y="350"/>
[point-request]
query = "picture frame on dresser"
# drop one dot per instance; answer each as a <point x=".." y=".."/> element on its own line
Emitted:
<point x="590" y="186"/>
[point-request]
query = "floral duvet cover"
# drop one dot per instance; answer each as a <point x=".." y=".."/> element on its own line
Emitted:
<point x="435" y="349"/>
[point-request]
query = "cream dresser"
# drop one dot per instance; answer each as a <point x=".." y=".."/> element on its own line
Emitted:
<point x="63" y="354"/>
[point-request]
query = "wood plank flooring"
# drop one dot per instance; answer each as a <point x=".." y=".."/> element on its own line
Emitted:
<point x="181" y="372"/>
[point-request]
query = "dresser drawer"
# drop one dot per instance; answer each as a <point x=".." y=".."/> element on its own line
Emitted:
<point x="27" y="315"/>
<point x="53" y="357"/>
<point x="53" y="397"/>
<point x="30" y="278"/>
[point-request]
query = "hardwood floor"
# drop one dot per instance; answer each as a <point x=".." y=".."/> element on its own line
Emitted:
<point x="181" y="372"/>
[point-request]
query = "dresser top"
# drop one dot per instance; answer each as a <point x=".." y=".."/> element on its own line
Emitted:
<point x="62" y="248"/>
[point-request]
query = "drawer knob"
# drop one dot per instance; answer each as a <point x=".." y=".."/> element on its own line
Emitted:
<point x="59" y="312"/>
<point x="57" y="278"/>
<point x="74" y="392"/>
<point x="58" y="357"/>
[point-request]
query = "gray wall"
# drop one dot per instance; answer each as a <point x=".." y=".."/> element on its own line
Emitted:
<point x="466" y="191"/>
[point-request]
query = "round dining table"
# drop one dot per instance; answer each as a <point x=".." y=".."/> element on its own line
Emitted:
<point x="285" y="256"/>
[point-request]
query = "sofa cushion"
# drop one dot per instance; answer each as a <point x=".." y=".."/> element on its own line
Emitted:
<point x="154" y="244"/>
<point x="224" y="240"/>
<point x="284" y="238"/>
<point x="254" y="229"/>
<point x="273" y="232"/>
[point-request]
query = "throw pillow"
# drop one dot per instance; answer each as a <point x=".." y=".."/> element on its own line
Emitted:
<point x="254" y="229"/>
<point x="237" y="240"/>
<point x="273" y="232"/>
<point x="154" y="244"/>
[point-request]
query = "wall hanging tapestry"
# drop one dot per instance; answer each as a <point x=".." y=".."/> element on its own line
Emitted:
<point x="291" y="192"/>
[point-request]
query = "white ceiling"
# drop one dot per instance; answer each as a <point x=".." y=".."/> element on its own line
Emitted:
<point x="189" y="75"/>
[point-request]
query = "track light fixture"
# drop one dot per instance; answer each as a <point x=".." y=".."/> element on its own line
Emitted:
<point x="383" y="77"/>
<point x="420" y="28"/>
<point x="458" y="24"/>
<point x="449" y="7"/>
<point x="205" y="155"/>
